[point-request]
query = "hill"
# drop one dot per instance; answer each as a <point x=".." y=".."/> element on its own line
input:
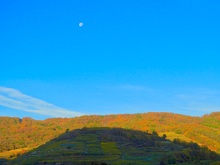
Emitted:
<point x="21" y="135"/>
<point x="115" y="146"/>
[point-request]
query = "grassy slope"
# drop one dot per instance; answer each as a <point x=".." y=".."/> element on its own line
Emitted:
<point x="112" y="146"/>
<point x="29" y="133"/>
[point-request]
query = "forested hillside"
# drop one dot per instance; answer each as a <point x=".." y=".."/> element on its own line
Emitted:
<point x="29" y="133"/>
<point x="116" y="146"/>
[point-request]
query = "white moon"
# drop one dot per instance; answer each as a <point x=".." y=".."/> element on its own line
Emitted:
<point x="80" y="24"/>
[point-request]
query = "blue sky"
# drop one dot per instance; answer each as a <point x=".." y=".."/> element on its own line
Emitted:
<point x="128" y="57"/>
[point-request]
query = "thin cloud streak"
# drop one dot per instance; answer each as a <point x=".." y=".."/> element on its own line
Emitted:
<point x="14" y="99"/>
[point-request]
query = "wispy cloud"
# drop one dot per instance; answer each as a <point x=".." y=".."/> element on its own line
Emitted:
<point x="15" y="99"/>
<point x="196" y="101"/>
<point x="198" y="94"/>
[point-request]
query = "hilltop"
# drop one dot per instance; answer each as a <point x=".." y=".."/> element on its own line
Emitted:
<point x="102" y="146"/>
<point x="21" y="135"/>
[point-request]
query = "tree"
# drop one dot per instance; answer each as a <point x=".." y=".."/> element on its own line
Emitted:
<point x="67" y="130"/>
<point x="164" y="136"/>
<point x="154" y="133"/>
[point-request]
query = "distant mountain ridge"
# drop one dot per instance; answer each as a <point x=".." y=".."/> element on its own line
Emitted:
<point x="19" y="133"/>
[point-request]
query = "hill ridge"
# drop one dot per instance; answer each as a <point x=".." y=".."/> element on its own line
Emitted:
<point x="115" y="146"/>
<point x="30" y="133"/>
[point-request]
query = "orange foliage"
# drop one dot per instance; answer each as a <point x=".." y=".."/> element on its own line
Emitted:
<point x="16" y="133"/>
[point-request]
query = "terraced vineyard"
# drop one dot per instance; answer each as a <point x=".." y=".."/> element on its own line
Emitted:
<point x="106" y="146"/>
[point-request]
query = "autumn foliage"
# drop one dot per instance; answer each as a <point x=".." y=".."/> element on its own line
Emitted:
<point x="16" y="133"/>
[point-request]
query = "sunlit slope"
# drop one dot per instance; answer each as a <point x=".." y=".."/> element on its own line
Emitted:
<point x="115" y="146"/>
<point x="29" y="133"/>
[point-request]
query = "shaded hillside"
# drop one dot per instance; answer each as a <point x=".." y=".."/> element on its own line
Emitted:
<point x="115" y="146"/>
<point x="28" y="133"/>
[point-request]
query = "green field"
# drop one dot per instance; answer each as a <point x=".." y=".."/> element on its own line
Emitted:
<point x="103" y="146"/>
